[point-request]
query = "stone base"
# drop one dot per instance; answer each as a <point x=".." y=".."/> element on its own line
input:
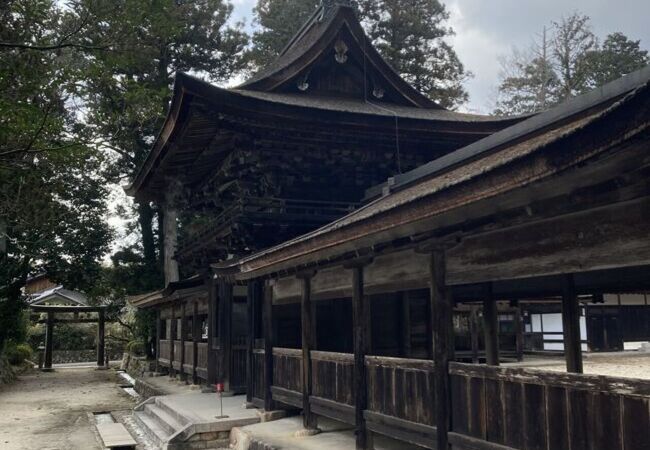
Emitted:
<point x="47" y="369"/>
<point x="102" y="368"/>
<point x="307" y="432"/>
<point x="269" y="416"/>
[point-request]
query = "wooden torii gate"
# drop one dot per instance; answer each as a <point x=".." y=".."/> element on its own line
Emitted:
<point x="52" y="310"/>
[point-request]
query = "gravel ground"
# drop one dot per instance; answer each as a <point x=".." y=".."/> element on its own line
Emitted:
<point x="626" y="365"/>
<point x="51" y="411"/>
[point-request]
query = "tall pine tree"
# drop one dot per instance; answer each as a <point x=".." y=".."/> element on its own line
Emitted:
<point x="129" y="84"/>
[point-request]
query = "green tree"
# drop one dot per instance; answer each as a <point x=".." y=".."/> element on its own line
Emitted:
<point x="411" y="36"/>
<point x="618" y="56"/>
<point x="277" y="22"/>
<point x="52" y="192"/>
<point x="568" y="63"/>
<point x="129" y="85"/>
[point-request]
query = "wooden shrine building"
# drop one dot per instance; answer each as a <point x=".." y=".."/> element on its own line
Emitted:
<point x="338" y="231"/>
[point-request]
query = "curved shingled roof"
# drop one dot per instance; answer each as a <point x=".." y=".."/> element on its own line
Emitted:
<point x="421" y="192"/>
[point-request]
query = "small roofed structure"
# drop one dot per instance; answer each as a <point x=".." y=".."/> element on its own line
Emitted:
<point x="57" y="296"/>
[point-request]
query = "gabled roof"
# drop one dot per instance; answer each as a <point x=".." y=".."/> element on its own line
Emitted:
<point x="317" y="40"/>
<point x="329" y="76"/>
<point x="564" y="137"/>
<point x="58" y="294"/>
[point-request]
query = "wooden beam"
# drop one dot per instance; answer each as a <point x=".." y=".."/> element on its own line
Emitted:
<point x="183" y="331"/>
<point x="158" y="334"/>
<point x="49" y="341"/>
<point x="268" y="348"/>
<point x="101" y="339"/>
<point x="172" y="338"/>
<point x="212" y="329"/>
<point x="491" y="327"/>
<point x="519" y="330"/>
<point x="360" y="325"/>
<point x="406" y="325"/>
<point x="225" y="332"/>
<point x="441" y="311"/>
<point x="571" y="326"/>
<point x="196" y="337"/>
<point x="253" y="303"/>
<point x="309" y="419"/>
<point x="473" y="332"/>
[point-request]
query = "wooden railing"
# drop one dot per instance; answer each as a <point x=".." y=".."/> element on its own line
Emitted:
<point x="202" y="360"/>
<point x="188" y="364"/>
<point x="401" y="398"/>
<point x="176" y="363"/>
<point x="258" y="377"/>
<point x="287" y="381"/>
<point x="164" y="351"/>
<point x="531" y="409"/>
<point x="332" y="385"/>
<point x="332" y="376"/>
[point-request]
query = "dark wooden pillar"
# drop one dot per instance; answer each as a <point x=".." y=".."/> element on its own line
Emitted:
<point x="268" y="347"/>
<point x="571" y="326"/>
<point x="158" y="334"/>
<point x="196" y="337"/>
<point x="49" y="341"/>
<point x="519" y="330"/>
<point x="307" y="330"/>
<point x="212" y="329"/>
<point x="100" y="338"/>
<point x="252" y="297"/>
<point x="225" y="332"/>
<point x="183" y="332"/>
<point x="360" y="327"/>
<point x="405" y="350"/>
<point x="473" y="333"/>
<point x="491" y="327"/>
<point x="441" y="309"/>
<point x="173" y="331"/>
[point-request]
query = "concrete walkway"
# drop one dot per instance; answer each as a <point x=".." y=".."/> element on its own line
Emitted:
<point x="51" y="411"/>
<point x="280" y="434"/>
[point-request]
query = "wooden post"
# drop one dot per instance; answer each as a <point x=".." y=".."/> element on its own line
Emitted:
<point x="253" y="289"/>
<point x="196" y="337"/>
<point x="473" y="333"/>
<point x="49" y="341"/>
<point x="491" y="328"/>
<point x="183" y="331"/>
<point x="268" y="347"/>
<point x="212" y="330"/>
<point x="406" y="325"/>
<point x="360" y="327"/>
<point x="100" y="338"/>
<point x="225" y="332"/>
<point x="170" y="240"/>
<point x="308" y="418"/>
<point x="172" y="332"/>
<point x="441" y="309"/>
<point x="571" y="326"/>
<point x="519" y="330"/>
<point x="158" y="333"/>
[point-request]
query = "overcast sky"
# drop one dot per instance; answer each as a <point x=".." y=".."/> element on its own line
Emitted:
<point x="487" y="29"/>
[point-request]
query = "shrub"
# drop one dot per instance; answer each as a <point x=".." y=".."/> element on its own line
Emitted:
<point x="135" y="348"/>
<point x="18" y="353"/>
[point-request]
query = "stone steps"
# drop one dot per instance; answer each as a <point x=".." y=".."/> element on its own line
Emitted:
<point x="163" y="418"/>
<point x="152" y="429"/>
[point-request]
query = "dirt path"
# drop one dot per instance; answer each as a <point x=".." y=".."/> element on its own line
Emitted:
<point x="49" y="411"/>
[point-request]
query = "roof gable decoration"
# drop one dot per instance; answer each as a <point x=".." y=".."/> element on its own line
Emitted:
<point x="332" y="56"/>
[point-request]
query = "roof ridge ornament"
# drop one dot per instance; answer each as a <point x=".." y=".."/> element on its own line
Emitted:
<point x="329" y="6"/>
